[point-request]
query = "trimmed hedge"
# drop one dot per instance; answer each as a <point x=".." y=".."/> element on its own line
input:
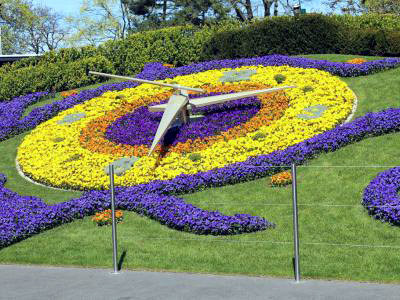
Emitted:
<point x="56" y="76"/>
<point x="305" y="34"/>
<point x="369" y="21"/>
<point x="370" y="42"/>
<point x="283" y="35"/>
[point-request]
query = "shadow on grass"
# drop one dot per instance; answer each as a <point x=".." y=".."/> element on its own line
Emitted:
<point x="121" y="260"/>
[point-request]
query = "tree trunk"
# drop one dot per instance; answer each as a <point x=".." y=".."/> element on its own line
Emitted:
<point x="275" y="7"/>
<point x="249" y="9"/>
<point x="267" y="7"/>
<point x="238" y="12"/>
<point x="164" y="10"/>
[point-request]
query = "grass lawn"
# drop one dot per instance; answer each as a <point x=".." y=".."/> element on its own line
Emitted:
<point x="145" y="244"/>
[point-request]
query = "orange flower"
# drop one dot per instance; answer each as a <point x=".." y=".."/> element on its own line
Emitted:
<point x="105" y="217"/>
<point x="68" y="93"/>
<point x="281" y="179"/>
<point x="357" y="61"/>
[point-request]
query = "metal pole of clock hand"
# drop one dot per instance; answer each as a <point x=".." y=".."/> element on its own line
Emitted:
<point x="114" y="223"/>
<point x="174" y="86"/>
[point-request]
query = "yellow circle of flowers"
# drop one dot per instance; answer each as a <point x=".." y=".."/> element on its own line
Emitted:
<point x="51" y="153"/>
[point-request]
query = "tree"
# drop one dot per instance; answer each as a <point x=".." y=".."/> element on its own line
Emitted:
<point x="30" y="28"/>
<point x="382" y="6"/>
<point x="150" y="14"/>
<point x="346" y="6"/>
<point x="44" y="30"/>
<point x="198" y="12"/>
<point x="141" y="7"/>
<point x="51" y="29"/>
<point x="12" y="15"/>
<point x="363" y="6"/>
<point x="243" y="9"/>
<point x="101" y="20"/>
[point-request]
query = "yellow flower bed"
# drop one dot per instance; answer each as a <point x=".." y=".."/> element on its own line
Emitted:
<point x="52" y="154"/>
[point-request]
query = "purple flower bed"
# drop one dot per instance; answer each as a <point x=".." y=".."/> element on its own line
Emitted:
<point x="11" y="112"/>
<point x="23" y="216"/>
<point x="335" y="68"/>
<point x="381" y="197"/>
<point x="217" y="118"/>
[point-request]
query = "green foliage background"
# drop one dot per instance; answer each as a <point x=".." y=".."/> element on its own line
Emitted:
<point x="306" y="34"/>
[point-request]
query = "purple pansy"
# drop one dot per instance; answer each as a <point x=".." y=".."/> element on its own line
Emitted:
<point x="381" y="197"/>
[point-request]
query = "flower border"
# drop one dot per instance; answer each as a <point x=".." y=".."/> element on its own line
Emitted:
<point x="381" y="197"/>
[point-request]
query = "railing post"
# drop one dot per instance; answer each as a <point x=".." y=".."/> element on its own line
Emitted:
<point x="295" y="225"/>
<point x="114" y="223"/>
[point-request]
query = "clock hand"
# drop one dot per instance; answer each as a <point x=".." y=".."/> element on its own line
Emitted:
<point x="204" y="101"/>
<point x="174" y="86"/>
<point x="174" y="106"/>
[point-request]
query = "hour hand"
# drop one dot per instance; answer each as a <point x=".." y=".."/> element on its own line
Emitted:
<point x="174" y="106"/>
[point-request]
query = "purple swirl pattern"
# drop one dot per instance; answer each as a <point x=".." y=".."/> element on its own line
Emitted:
<point x="381" y="197"/>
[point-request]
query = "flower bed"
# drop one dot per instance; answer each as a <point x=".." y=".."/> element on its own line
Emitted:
<point x="281" y="179"/>
<point x="11" y="112"/>
<point x="356" y="61"/>
<point x="104" y="218"/>
<point x="97" y="136"/>
<point x="71" y="145"/>
<point x="155" y="200"/>
<point x="381" y="197"/>
<point x="68" y="93"/>
<point x="21" y="216"/>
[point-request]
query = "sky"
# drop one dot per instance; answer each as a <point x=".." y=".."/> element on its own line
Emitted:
<point x="62" y="6"/>
<point x="71" y="7"/>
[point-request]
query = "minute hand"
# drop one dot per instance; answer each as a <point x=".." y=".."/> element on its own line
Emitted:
<point x="204" y="101"/>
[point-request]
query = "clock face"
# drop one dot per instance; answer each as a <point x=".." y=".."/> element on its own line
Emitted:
<point x="75" y="148"/>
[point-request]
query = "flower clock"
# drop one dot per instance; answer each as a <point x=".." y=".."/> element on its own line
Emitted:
<point x="74" y="141"/>
<point x="77" y="146"/>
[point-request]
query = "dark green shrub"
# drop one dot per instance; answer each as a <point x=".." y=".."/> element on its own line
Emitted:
<point x="195" y="157"/>
<point x="307" y="89"/>
<point x="370" y="42"/>
<point x="258" y="136"/>
<point x="279" y="78"/>
<point x="310" y="33"/>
